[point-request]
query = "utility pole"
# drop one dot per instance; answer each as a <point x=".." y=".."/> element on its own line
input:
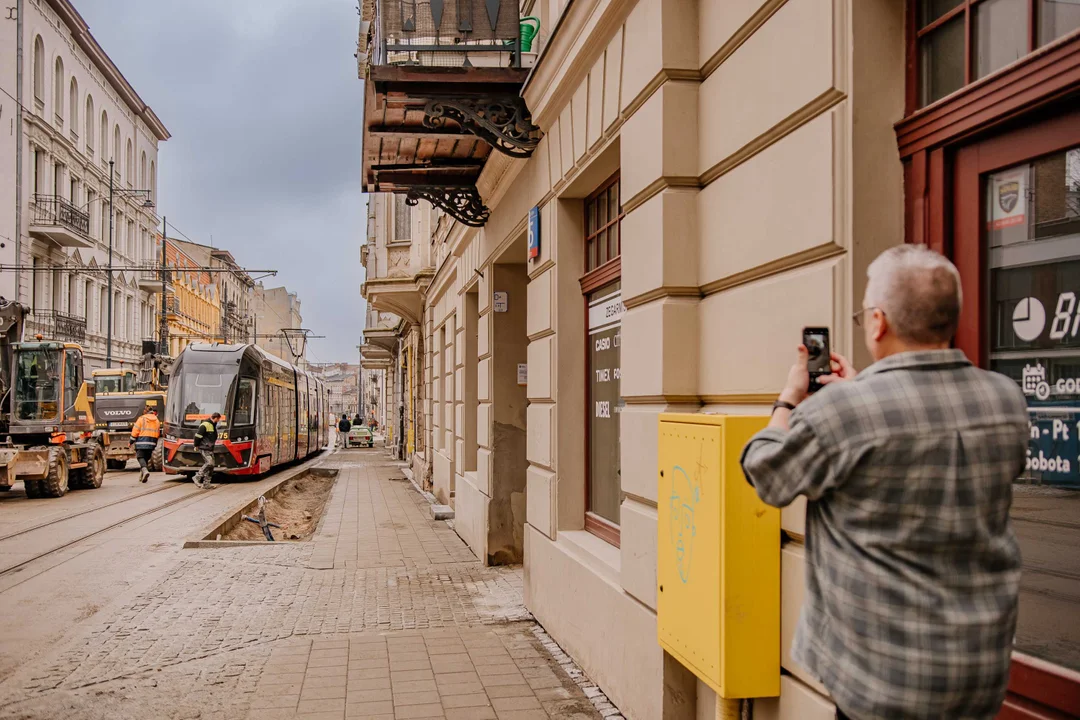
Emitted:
<point x="18" y="147"/>
<point x="109" y="321"/>
<point x="163" y="321"/>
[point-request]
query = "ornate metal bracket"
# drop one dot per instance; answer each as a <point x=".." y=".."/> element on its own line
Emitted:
<point x="462" y="202"/>
<point x="502" y="121"/>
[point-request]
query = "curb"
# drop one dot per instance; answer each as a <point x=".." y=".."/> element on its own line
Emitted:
<point x="438" y="511"/>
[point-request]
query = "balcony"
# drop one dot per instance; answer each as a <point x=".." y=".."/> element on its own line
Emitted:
<point x="56" y="219"/>
<point x="58" y="326"/>
<point x="148" y="278"/>
<point x="443" y="89"/>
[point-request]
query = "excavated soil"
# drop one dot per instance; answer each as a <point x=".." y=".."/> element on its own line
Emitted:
<point x="297" y="508"/>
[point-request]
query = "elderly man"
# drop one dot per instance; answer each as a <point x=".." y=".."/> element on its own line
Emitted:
<point x="912" y="567"/>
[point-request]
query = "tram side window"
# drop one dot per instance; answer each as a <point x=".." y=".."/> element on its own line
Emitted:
<point x="245" y="402"/>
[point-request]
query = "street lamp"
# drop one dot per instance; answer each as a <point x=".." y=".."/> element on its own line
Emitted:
<point x="147" y="203"/>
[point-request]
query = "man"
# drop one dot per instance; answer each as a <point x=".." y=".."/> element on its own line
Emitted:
<point x="912" y="568"/>
<point x="205" y="440"/>
<point x="145" y="434"/>
<point x="343" y="428"/>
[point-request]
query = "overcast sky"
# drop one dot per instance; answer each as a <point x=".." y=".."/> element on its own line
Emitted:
<point x="264" y="107"/>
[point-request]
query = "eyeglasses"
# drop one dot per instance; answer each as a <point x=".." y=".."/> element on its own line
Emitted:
<point x="857" y="316"/>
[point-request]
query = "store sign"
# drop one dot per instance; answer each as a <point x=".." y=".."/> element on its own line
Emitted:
<point x="605" y="312"/>
<point x="1008" y="199"/>
<point x="500" y="302"/>
<point x="1053" y="454"/>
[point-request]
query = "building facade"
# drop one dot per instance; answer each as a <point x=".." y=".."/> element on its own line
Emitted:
<point x="343" y="383"/>
<point x="686" y="186"/>
<point x="235" y="289"/>
<point x="275" y="310"/>
<point x="193" y="305"/>
<point x="79" y="121"/>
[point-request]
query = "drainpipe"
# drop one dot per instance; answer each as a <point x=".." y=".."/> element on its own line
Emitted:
<point x="18" y="146"/>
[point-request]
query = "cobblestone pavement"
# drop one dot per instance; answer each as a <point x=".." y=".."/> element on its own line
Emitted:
<point x="384" y="614"/>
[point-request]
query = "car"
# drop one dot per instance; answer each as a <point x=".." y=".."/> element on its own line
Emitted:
<point x="359" y="436"/>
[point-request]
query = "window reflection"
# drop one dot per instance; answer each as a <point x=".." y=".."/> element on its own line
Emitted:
<point x="941" y="61"/>
<point x="1057" y="19"/>
<point x="1032" y="226"/>
<point x="1000" y="34"/>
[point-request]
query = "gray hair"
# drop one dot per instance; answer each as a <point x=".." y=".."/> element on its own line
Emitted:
<point x="919" y="292"/>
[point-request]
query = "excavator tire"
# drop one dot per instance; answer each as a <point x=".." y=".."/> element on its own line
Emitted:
<point x="157" y="460"/>
<point x="55" y="483"/>
<point x="33" y="488"/>
<point x="116" y="464"/>
<point x="90" y="477"/>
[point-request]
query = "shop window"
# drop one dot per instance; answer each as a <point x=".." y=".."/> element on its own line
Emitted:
<point x="602" y="288"/>
<point x="1032" y="240"/>
<point x="955" y="42"/>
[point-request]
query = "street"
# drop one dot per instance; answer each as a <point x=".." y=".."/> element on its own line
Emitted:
<point x="385" y="613"/>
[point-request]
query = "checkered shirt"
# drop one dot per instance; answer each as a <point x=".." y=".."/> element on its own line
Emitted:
<point x="912" y="568"/>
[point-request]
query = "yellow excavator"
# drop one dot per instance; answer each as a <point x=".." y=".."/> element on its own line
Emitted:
<point x="47" y="434"/>
<point x="121" y="395"/>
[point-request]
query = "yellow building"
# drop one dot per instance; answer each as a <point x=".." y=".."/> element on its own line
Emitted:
<point x="193" y="307"/>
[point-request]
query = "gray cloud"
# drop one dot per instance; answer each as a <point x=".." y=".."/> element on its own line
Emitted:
<point x="263" y="102"/>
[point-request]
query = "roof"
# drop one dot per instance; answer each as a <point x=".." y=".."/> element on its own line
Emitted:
<point x="80" y="32"/>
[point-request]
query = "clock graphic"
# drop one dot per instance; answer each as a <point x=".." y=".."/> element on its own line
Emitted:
<point x="1029" y="319"/>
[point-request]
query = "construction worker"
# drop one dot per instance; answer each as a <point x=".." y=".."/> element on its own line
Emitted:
<point x="205" y="439"/>
<point x="145" y="435"/>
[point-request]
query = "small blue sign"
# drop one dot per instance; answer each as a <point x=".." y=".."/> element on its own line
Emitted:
<point x="534" y="233"/>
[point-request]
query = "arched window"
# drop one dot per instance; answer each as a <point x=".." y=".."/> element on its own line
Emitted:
<point x="116" y="157"/>
<point x="73" y="103"/>
<point x="129" y="164"/>
<point x="39" y="69"/>
<point x="104" y="146"/>
<point x="153" y="181"/>
<point x="58" y="90"/>
<point x="142" y="171"/>
<point x="89" y="124"/>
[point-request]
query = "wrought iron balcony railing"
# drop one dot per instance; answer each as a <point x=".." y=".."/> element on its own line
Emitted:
<point x="55" y="210"/>
<point x="55" y="325"/>
<point x="447" y="33"/>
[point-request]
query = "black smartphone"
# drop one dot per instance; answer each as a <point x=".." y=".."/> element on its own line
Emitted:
<point x="816" y="340"/>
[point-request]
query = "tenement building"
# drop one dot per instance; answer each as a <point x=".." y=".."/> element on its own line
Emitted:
<point x="80" y="178"/>
<point x="751" y="158"/>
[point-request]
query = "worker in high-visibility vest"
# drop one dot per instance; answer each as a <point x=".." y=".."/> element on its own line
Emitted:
<point x="145" y="434"/>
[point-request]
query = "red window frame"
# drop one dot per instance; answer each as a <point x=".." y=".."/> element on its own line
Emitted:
<point x="595" y="277"/>
<point x="965" y="8"/>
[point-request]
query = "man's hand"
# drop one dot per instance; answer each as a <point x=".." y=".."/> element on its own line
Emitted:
<point x="842" y="370"/>
<point x="798" y="379"/>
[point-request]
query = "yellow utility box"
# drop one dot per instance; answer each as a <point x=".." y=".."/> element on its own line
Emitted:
<point x="718" y="604"/>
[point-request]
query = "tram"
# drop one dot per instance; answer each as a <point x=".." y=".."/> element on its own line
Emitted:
<point x="271" y="412"/>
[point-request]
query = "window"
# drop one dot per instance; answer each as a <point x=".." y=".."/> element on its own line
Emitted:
<point x="58" y="180"/>
<point x="36" y="169"/>
<point x="131" y="239"/>
<point x="142" y="171"/>
<point x="245" y="402"/>
<point x="91" y="208"/>
<point x="129" y="327"/>
<point x="72" y="298"/>
<point x="35" y="285"/>
<point x="1031" y="230"/>
<point x="71" y="384"/>
<point x="39" y="69"/>
<point x="58" y="92"/>
<point x="89" y="125"/>
<point x="153" y="181"/>
<point x="116" y="149"/>
<point x="104" y="136"/>
<point x="956" y="42"/>
<point x="603" y="212"/>
<point x="73" y="103"/>
<point x="402" y="219"/>
<point x="129" y="171"/>
<point x="87" y="295"/>
<point x="602" y="288"/>
<point x="103" y="309"/>
<point x="73" y="190"/>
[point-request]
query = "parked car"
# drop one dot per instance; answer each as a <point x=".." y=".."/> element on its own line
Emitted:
<point x="359" y="436"/>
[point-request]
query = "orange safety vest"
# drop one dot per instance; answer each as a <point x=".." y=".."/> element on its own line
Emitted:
<point x="147" y="426"/>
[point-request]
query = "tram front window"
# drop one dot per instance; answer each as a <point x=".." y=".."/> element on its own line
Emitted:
<point x="203" y="391"/>
<point x="37" y="385"/>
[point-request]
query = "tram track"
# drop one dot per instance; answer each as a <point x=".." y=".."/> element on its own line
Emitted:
<point x="17" y="567"/>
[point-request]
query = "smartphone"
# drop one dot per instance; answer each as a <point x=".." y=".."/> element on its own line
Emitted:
<point x="816" y="340"/>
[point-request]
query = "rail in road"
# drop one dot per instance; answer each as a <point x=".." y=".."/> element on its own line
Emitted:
<point x="23" y="548"/>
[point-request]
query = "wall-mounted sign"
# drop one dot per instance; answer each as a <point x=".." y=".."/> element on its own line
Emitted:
<point x="1008" y="199"/>
<point x="500" y="301"/>
<point x="523" y="374"/>
<point x="534" y="233"/>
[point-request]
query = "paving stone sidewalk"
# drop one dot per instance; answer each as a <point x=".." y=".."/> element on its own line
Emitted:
<point x="385" y="614"/>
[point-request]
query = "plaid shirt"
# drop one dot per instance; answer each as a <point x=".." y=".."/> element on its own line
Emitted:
<point x="912" y="568"/>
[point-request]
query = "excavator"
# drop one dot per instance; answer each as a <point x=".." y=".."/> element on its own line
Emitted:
<point x="47" y="434"/>
<point x="121" y="395"/>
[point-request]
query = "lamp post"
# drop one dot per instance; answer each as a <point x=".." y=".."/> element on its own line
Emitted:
<point x="124" y="193"/>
